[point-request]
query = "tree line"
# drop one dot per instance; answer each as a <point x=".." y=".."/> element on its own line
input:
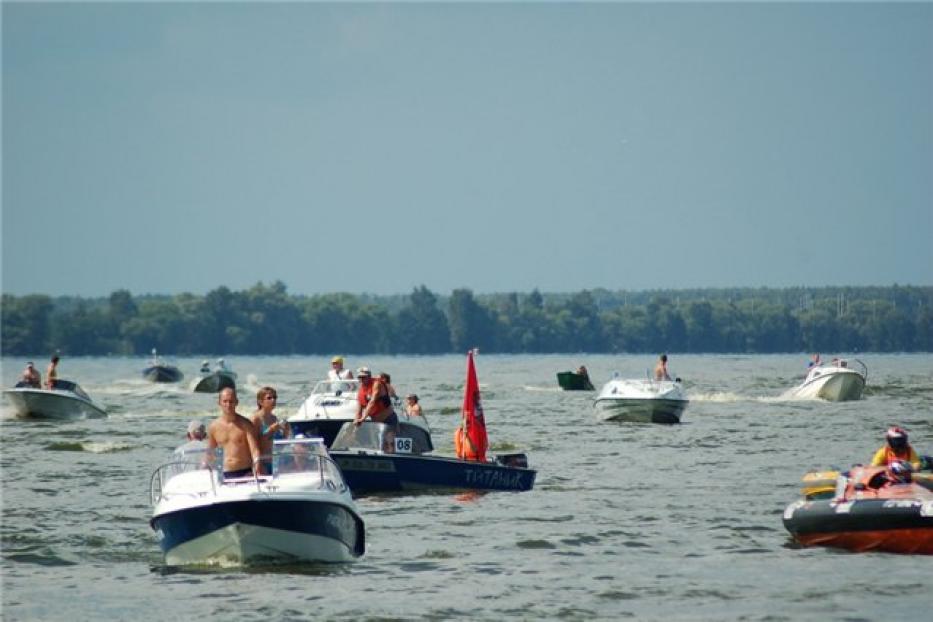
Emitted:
<point x="266" y="319"/>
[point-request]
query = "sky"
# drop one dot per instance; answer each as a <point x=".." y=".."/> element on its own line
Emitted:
<point x="374" y="148"/>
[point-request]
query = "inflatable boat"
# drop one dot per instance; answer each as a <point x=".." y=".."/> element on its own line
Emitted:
<point x="868" y="512"/>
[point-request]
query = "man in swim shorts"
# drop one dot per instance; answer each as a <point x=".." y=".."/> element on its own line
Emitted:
<point x="236" y="435"/>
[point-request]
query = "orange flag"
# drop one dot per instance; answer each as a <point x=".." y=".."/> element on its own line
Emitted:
<point x="470" y="439"/>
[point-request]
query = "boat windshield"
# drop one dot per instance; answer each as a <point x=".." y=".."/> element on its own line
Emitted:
<point x="68" y="385"/>
<point x="336" y="387"/>
<point x="304" y="455"/>
<point x="407" y="438"/>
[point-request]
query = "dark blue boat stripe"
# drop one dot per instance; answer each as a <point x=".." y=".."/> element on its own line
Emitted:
<point x="316" y="518"/>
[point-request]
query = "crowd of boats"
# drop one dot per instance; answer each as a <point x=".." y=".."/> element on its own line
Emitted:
<point x="660" y="398"/>
<point x="302" y="508"/>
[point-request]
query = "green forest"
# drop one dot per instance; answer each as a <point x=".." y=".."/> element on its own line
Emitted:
<point x="266" y="319"/>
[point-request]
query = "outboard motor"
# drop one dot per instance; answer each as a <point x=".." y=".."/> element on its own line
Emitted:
<point x="513" y="460"/>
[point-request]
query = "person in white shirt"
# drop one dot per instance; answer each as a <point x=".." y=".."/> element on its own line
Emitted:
<point x="337" y="372"/>
<point x="196" y="435"/>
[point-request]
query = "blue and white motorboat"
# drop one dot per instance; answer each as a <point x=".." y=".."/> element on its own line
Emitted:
<point x="67" y="400"/>
<point x="377" y="458"/>
<point x="303" y="512"/>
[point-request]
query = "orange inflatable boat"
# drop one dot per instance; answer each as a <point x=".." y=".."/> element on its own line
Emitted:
<point x="870" y="511"/>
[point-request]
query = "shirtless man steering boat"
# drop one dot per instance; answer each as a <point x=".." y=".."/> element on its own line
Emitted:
<point x="236" y="435"/>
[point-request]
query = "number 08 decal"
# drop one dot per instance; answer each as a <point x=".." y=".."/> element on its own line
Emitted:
<point x="403" y="445"/>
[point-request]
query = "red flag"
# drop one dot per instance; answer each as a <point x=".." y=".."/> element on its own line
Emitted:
<point x="470" y="439"/>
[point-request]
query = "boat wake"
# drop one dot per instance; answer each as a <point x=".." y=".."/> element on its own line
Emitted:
<point x="93" y="447"/>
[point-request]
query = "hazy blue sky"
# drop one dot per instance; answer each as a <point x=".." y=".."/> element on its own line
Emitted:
<point x="376" y="147"/>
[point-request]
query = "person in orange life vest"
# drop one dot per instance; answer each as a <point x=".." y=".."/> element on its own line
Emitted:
<point x="896" y="448"/>
<point x="463" y="445"/>
<point x="373" y="400"/>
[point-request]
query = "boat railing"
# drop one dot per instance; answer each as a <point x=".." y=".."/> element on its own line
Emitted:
<point x="195" y="462"/>
<point x="289" y="457"/>
<point x="856" y="365"/>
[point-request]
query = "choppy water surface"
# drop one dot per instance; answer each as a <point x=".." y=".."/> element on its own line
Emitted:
<point x="626" y="520"/>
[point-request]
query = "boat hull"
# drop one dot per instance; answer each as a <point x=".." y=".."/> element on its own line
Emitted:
<point x="641" y="400"/>
<point x="839" y="386"/>
<point x="891" y="525"/>
<point x="367" y="472"/>
<point x="214" y="383"/>
<point x="641" y="410"/>
<point x="46" y="404"/>
<point x="842" y="380"/>
<point x="571" y="381"/>
<point x="258" y="531"/>
<point x="162" y="373"/>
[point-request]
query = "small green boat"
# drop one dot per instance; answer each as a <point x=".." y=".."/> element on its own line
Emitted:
<point x="574" y="381"/>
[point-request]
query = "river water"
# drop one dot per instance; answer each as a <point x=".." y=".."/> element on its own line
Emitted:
<point x="626" y="520"/>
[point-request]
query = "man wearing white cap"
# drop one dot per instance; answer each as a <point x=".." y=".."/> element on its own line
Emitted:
<point x="196" y="434"/>
<point x="337" y="372"/>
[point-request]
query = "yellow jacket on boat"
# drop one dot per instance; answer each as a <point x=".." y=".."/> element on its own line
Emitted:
<point x="884" y="456"/>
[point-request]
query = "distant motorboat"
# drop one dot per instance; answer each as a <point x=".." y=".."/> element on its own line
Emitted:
<point x="642" y="400"/>
<point x="214" y="382"/>
<point x="302" y="512"/>
<point x="163" y="373"/>
<point x="66" y="401"/>
<point x="160" y="371"/>
<point x="838" y="381"/>
<point x="574" y="381"/>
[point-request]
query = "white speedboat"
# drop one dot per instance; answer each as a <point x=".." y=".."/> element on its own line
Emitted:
<point x="838" y="381"/>
<point x="66" y="401"/>
<point x="303" y="512"/>
<point x="642" y="400"/>
<point x="333" y="403"/>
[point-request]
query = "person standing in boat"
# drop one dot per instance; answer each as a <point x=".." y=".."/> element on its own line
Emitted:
<point x="51" y="374"/>
<point x="195" y="435"/>
<point x="814" y="362"/>
<point x="412" y="407"/>
<point x="31" y="377"/>
<point x="236" y="435"/>
<point x="896" y="447"/>
<point x="269" y="427"/>
<point x="337" y="372"/>
<point x="582" y="372"/>
<point x="374" y="402"/>
<point x="660" y="370"/>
